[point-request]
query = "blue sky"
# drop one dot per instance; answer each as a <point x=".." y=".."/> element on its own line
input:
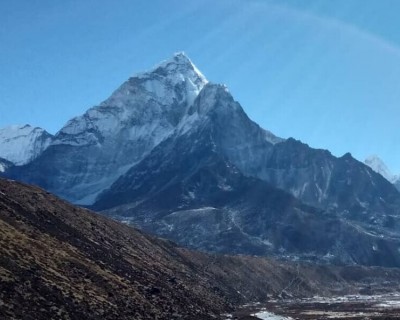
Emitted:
<point x="325" y="72"/>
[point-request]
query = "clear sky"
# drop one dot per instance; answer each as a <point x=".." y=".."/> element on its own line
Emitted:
<point x="325" y="72"/>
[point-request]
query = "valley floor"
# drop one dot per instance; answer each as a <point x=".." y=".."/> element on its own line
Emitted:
<point x="351" y="307"/>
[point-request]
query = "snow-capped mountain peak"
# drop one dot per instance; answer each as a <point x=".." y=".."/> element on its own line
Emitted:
<point x="162" y="94"/>
<point x="377" y="164"/>
<point x="119" y="132"/>
<point x="22" y="143"/>
<point x="176" y="72"/>
<point x="178" y="64"/>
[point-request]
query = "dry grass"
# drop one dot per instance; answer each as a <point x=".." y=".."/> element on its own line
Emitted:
<point x="58" y="261"/>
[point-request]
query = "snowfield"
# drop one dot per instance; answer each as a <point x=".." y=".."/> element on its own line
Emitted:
<point x="265" y="315"/>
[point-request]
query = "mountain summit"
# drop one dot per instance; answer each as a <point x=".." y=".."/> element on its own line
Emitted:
<point x="92" y="150"/>
<point x="178" y="67"/>
<point x="176" y="155"/>
<point x="377" y="164"/>
<point x="161" y="94"/>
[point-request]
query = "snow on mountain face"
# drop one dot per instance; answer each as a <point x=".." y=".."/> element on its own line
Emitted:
<point x="91" y="151"/>
<point x="148" y="104"/>
<point x="377" y="164"/>
<point x="5" y="165"/>
<point x="21" y="144"/>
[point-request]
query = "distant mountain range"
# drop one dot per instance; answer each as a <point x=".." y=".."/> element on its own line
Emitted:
<point x="22" y="144"/>
<point x="176" y="155"/>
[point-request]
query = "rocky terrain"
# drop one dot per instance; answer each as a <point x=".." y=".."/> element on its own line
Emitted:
<point x="59" y="261"/>
<point x="196" y="197"/>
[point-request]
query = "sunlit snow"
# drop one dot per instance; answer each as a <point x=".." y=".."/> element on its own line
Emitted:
<point x="265" y="315"/>
<point x="22" y="143"/>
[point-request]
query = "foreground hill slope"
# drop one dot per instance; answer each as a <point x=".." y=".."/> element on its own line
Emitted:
<point x="58" y="261"/>
<point x="62" y="261"/>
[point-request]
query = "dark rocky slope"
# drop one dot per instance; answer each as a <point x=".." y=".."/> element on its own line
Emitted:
<point x="58" y="261"/>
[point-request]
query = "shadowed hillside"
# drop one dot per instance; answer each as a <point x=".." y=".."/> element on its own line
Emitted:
<point x="62" y="262"/>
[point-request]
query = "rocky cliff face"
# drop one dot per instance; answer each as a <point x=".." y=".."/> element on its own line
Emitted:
<point x="397" y="184"/>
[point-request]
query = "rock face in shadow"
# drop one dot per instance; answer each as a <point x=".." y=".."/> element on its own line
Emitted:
<point x="189" y="190"/>
<point x="5" y="165"/>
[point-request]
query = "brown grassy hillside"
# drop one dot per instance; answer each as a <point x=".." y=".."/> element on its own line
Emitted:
<point x="58" y="261"/>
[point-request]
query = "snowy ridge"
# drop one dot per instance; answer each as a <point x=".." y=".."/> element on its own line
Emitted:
<point x="147" y="99"/>
<point x="178" y="64"/>
<point x="3" y="166"/>
<point x="271" y="138"/>
<point x="119" y="132"/>
<point x="265" y="315"/>
<point x="23" y="143"/>
<point x="377" y="164"/>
